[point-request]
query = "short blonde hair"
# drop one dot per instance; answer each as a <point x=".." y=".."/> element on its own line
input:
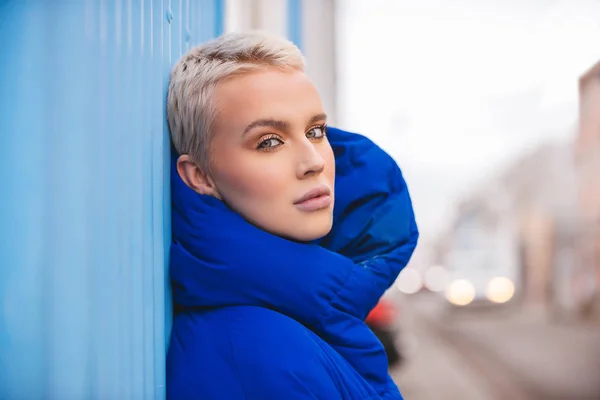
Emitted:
<point x="190" y="111"/>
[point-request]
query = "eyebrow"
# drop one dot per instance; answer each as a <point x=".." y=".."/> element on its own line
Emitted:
<point x="278" y="124"/>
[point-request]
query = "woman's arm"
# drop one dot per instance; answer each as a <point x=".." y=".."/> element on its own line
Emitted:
<point x="375" y="223"/>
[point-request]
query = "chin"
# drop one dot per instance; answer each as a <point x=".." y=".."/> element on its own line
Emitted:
<point x="301" y="228"/>
<point x="309" y="231"/>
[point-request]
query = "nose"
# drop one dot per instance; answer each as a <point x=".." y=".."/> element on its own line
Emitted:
<point x="311" y="162"/>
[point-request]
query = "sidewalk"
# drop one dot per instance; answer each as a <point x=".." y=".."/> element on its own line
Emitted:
<point x="562" y="360"/>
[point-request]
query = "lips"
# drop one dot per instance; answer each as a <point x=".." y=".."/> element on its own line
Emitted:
<point x="315" y="199"/>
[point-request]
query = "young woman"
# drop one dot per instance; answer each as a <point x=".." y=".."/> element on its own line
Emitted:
<point x="271" y="282"/>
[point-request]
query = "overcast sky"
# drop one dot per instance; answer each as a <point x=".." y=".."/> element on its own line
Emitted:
<point x="456" y="89"/>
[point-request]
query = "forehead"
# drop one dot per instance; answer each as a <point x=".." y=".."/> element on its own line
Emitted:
<point x="266" y="93"/>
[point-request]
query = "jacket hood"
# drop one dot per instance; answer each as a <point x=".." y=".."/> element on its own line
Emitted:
<point x="219" y="259"/>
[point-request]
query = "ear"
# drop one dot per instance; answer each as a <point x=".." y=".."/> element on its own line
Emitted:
<point x="193" y="176"/>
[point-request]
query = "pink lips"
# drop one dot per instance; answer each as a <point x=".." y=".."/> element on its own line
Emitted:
<point x="315" y="199"/>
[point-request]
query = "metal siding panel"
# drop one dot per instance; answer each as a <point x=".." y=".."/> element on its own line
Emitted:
<point x="219" y="17"/>
<point x="294" y="21"/>
<point x="21" y="284"/>
<point x="85" y="308"/>
<point x="160" y="219"/>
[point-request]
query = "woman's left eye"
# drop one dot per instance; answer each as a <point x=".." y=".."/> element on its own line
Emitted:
<point x="318" y="132"/>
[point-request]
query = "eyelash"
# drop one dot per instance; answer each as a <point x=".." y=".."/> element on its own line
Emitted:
<point x="323" y="128"/>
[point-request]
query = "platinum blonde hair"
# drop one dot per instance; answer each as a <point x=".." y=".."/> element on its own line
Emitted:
<point x="191" y="113"/>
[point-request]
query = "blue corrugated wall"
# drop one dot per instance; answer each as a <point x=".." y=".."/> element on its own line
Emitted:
<point x="294" y="22"/>
<point x="84" y="209"/>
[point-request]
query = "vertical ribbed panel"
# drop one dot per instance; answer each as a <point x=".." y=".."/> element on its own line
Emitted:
<point x="294" y="22"/>
<point x="85" y="211"/>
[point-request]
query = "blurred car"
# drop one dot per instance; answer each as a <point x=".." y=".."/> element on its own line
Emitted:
<point x="382" y="321"/>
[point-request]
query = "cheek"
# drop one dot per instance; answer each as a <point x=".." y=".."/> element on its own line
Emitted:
<point x="249" y="180"/>
<point x="329" y="158"/>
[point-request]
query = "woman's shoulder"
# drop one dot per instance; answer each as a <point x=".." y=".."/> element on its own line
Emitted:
<point x="260" y="350"/>
<point x="249" y="335"/>
<point x="257" y="330"/>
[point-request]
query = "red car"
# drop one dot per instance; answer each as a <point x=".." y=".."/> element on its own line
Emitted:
<point x="382" y="321"/>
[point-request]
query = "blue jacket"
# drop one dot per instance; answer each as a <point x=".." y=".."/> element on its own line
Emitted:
<point x="259" y="317"/>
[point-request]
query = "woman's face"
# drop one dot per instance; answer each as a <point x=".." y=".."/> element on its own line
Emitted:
<point x="270" y="159"/>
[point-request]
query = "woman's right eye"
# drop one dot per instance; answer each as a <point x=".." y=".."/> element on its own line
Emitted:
<point x="269" y="143"/>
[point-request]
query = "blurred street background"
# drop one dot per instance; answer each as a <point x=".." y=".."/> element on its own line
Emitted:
<point x="494" y="354"/>
<point x="491" y="108"/>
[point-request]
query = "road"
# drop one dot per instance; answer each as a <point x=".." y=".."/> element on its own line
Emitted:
<point x="491" y="354"/>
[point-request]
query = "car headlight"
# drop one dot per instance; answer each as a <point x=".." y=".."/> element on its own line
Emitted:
<point x="500" y="290"/>
<point x="460" y="292"/>
<point x="436" y="278"/>
<point x="409" y="281"/>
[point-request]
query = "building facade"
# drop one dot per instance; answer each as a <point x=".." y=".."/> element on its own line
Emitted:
<point x="587" y="155"/>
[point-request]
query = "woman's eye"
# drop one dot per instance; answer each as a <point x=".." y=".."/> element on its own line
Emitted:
<point x="317" y="132"/>
<point x="269" y="143"/>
